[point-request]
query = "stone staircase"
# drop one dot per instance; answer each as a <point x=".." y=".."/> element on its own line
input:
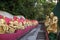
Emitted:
<point x="36" y="34"/>
<point x="41" y="34"/>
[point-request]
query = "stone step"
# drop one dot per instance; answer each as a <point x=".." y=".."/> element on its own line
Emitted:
<point x="41" y="35"/>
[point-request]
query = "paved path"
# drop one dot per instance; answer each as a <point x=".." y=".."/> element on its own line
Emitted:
<point x="32" y="35"/>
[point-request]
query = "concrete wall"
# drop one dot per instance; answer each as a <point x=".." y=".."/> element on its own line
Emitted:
<point x="6" y="14"/>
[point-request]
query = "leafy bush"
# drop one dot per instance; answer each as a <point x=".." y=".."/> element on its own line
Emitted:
<point x="27" y="8"/>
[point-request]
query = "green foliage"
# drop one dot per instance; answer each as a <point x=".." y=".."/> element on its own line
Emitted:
<point x="18" y="7"/>
<point x="27" y="8"/>
<point x="44" y="8"/>
<point x="48" y="7"/>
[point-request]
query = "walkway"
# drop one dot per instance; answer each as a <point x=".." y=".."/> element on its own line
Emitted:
<point x="35" y="34"/>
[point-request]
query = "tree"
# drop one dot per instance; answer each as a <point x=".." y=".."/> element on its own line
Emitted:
<point x="18" y="7"/>
<point x="44" y="8"/>
<point x="27" y="8"/>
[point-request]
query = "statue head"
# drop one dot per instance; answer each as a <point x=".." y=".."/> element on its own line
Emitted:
<point x="51" y="14"/>
<point x="47" y="17"/>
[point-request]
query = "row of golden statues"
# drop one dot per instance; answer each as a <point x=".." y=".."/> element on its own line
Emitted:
<point x="51" y="22"/>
